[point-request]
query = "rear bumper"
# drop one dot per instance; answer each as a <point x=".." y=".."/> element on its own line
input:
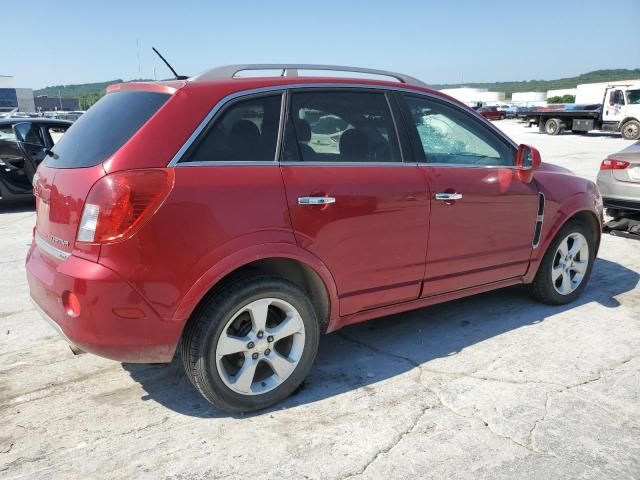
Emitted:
<point x="114" y="321"/>
<point x="616" y="191"/>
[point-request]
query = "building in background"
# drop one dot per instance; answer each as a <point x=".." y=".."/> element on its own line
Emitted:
<point x="12" y="97"/>
<point x="46" y="104"/>
<point x="475" y="96"/>
<point x="591" y="93"/>
<point x="529" y="99"/>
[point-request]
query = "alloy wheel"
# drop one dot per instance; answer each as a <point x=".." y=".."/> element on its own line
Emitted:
<point x="570" y="263"/>
<point x="260" y="346"/>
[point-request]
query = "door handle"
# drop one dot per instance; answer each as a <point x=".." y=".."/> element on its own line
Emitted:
<point x="448" y="196"/>
<point x="316" y="200"/>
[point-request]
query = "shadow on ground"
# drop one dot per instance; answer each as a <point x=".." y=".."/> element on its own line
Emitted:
<point x="17" y="206"/>
<point x="346" y="358"/>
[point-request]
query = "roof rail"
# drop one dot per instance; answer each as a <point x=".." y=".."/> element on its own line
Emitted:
<point x="291" y="70"/>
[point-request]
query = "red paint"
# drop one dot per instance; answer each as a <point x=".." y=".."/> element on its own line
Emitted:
<point x="491" y="113"/>
<point x="371" y="263"/>
<point x="484" y="237"/>
<point x="386" y="245"/>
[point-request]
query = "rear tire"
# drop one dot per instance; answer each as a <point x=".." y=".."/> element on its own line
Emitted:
<point x="553" y="126"/>
<point x="252" y="343"/>
<point x="561" y="279"/>
<point x="630" y="130"/>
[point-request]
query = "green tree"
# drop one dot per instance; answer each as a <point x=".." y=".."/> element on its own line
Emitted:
<point x="562" y="99"/>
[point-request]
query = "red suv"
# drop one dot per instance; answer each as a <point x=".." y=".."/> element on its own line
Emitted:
<point x="241" y="217"/>
<point x="492" y="113"/>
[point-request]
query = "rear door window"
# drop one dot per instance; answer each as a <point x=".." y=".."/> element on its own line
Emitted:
<point x="246" y="131"/>
<point x="340" y="126"/>
<point x="106" y="126"/>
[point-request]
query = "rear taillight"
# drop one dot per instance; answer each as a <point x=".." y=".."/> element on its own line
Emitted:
<point x="612" y="164"/>
<point x="118" y="204"/>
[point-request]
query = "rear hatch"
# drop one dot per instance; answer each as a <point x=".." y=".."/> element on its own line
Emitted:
<point x="65" y="178"/>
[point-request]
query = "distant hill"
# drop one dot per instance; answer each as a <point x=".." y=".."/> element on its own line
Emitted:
<point x="75" y="91"/>
<point x="89" y="93"/>
<point x="544" y="85"/>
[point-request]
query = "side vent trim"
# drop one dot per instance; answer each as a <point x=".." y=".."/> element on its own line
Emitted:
<point x="539" y="220"/>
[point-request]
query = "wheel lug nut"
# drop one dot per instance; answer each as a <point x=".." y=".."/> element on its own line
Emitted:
<point x="270" y="339"/>
<point x="254" y="356"/>
<point x="260" y="334"/>
<point x="250" y="345"/>
<point x="267" y="351"/>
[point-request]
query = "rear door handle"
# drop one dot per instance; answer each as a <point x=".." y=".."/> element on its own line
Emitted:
<point x="316" y="200"/>
<point x="448" y="196"/>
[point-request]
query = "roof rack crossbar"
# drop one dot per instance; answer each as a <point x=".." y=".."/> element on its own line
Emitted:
<point x="291" y="70"/>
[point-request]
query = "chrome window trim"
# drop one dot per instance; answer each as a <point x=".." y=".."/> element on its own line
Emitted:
<point x="175" y="161"/>
<point x="50" y="249"/>
<point x="466" y="165"/>
<point x="213" y="163"/>
<point x="347" y="164"/>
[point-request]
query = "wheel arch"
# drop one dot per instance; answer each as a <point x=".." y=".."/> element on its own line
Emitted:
<point x="584" y="215"/>
<point x="290" y="262"/>
<point x="627" y="119"/>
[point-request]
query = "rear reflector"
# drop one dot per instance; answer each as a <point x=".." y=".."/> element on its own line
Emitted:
<point x="71" y="303"/>
<point x="611" y="164"/>
<point x="118" y="204"/>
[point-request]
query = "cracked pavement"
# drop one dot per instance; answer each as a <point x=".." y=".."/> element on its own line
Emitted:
<point x="493" y="386"/>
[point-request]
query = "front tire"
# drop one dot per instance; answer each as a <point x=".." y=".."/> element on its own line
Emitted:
<point x="566" y="266"/>
<point x="252" y="343"/>
<point x="630" y="130"/>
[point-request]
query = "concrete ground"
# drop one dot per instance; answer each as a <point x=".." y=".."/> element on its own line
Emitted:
<point x="493" y="386"/>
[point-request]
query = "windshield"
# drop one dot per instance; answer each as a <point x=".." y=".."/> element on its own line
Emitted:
<point x="634" y="97"/>
<point x="100" y="132"/>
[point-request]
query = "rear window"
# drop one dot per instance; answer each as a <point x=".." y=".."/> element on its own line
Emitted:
<point x="100" y="132"/>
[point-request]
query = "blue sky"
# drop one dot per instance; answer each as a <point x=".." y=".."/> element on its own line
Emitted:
<point x="62" y="42"/>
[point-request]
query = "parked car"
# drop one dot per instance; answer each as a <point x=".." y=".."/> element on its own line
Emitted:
<point x="516" y="112"/>
<point x="492" y="113"/>
<point x="19" y="160"/>
<point x="227" y="236"/>
<point x="619" y="180"/>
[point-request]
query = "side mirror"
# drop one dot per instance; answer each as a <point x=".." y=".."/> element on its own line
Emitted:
<point x="527" y="161"/>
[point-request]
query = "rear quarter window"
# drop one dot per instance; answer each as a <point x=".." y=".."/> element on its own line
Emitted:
<point x="100" y="132"/>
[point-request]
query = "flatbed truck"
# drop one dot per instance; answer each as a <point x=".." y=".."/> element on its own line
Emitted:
<point x="619" y="112"/>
